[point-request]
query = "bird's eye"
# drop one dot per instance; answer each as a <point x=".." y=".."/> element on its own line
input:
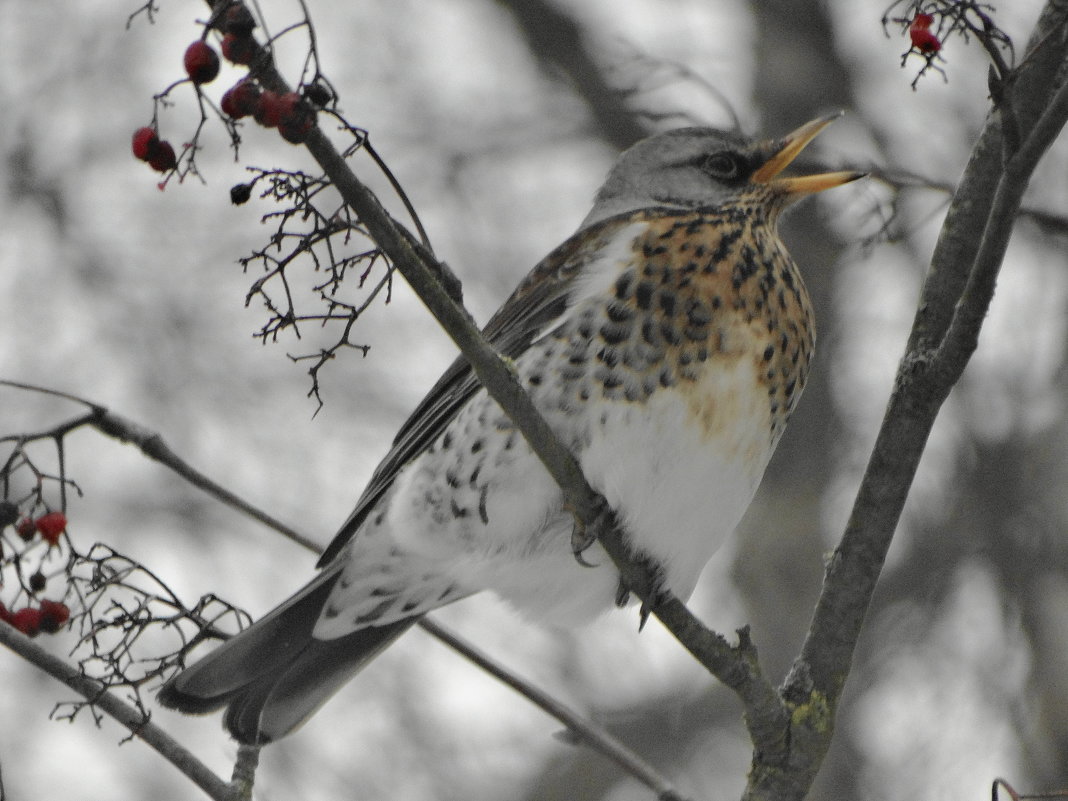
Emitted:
<point x="723" y="166"/>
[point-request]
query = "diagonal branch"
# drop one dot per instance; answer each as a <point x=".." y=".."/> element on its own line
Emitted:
<point x="422" y="272"/>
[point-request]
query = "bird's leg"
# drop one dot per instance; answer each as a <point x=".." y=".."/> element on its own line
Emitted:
<point x="645" y="577"/>
<point x="646" y="580"/>
<point x="584" y="535"/>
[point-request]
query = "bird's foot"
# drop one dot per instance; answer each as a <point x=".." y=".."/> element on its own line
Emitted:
<point x="647" y="582"/>
<point x="584" y="535"/>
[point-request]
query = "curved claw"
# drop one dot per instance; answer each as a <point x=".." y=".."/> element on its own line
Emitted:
<point x="581" y="540"/>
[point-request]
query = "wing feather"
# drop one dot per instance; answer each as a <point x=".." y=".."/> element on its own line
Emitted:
<point x="539" y="300"/>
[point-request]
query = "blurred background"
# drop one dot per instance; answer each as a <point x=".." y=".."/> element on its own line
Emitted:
<point x="500" y="119"/>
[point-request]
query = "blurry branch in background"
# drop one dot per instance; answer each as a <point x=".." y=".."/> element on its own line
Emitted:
<point x="1015" y="795"/>
<point x="558" y="41"/>
<point x="136" y="717"/>
<point x="901" y="181"/>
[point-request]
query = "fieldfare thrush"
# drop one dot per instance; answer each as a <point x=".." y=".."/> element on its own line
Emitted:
<point x="666" y="343"/>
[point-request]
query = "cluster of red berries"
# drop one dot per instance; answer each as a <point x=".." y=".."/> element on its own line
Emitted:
<point x="922" y="38"/>
<point x="47" y="616"/>
<point x="159" y="154"/>
<point x="291" y="113"/>
<point x="49" y="526"/>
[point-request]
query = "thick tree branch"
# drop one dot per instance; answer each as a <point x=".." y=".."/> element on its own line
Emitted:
<point x="422" y="272"/>
<point x="955" y="298"/>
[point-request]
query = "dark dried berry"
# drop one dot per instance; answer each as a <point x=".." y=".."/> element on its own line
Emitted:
<point x="240" y="193"/>
<point x="9" y="514"/>
<point x="318" y="94"/>
<point x="38" y="581"/>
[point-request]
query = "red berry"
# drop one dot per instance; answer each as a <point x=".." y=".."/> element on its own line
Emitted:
<point x="238" y="20"/>
<point x="922" y="21"/>
<point x="145" y="141"/>
<point x="25" y="529"/>
<point x="51" y="526"/>
<point x="53" y="615"/>
<point x="240" y="100"/>
<point x="27" y="620"/>
<point x="924" y="41"/>
<point x="238" y="49"/>
<point x="201" y="62"/>
<point x="5" y="615"/>
<point x="163" y="160"/>
<point x="268" y="110"/>
<point x="298" y="118"/>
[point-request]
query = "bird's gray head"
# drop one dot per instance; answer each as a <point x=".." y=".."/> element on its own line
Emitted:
<point x="691" y="168"/>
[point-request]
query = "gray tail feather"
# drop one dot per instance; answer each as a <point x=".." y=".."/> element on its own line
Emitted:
<point x="274" y="675"/>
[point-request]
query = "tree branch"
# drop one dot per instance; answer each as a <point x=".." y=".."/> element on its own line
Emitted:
<point x="422" y="272"/>
<point x="954" y="301"/>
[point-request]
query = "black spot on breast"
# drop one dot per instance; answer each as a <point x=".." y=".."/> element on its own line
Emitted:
<point x="614" y="333"/>
<point x="643" y="295"/>
<point x="698" y="313"/>
<point x="745" y="267"/>
<point x="624" y="284"/>
<point x="619" y="312"/>
<point x="726" y="242"/>
<point x="650" y="331"/>
<point x="608" y="356"/>
<point x="670" y="332"/>
<point x="667" y="302"/>
<point x="769" y="351"/>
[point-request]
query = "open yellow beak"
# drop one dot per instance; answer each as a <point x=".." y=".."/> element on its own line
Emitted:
<point x="785" y="150"/>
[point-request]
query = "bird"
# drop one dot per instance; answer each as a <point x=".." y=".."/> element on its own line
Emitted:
<point x="666" y="343"/>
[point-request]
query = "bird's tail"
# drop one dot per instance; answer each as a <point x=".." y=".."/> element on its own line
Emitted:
<point x="274" y="675"/>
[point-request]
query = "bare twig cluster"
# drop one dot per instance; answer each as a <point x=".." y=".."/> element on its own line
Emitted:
<point x="134" y="631"/>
